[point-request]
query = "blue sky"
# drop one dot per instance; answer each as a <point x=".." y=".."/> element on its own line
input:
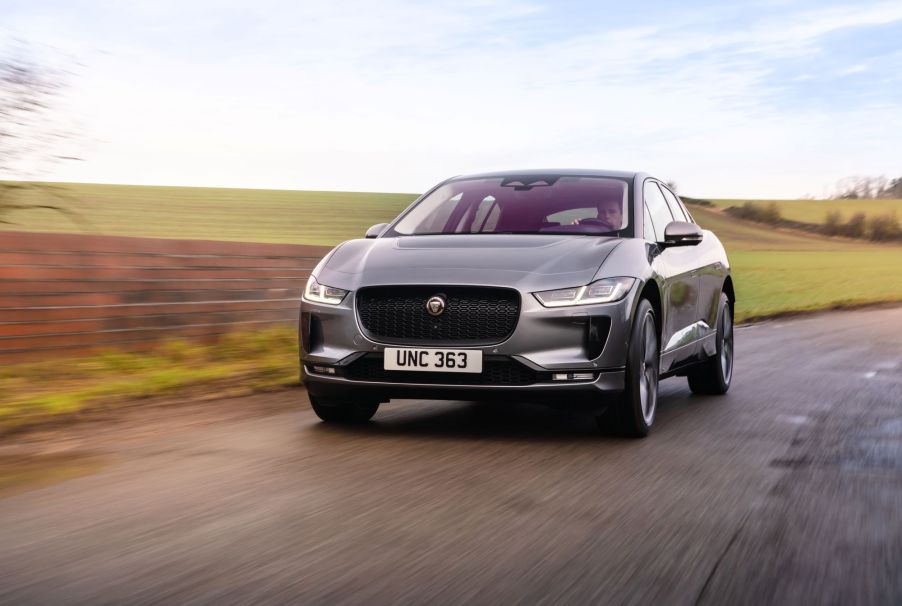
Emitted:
<point x="759" y="99"/>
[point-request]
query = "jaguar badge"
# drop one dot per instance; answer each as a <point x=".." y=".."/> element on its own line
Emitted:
<point x="435" y="305"/>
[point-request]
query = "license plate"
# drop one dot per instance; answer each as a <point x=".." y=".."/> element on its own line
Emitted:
<point x="433" y="360"/>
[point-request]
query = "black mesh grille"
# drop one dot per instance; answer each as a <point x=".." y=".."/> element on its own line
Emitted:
<point x="495" y="371"/>
<point x="472" y="315"/>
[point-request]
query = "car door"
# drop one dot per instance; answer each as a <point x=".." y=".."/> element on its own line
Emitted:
<point x="710" y="272"/>
<point x="679" y="330"/>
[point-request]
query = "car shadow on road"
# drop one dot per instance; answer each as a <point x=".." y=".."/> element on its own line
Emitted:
<point x="492" y="420"/>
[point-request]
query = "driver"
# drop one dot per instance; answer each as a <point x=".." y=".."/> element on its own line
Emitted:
<point x="610" y="215"/>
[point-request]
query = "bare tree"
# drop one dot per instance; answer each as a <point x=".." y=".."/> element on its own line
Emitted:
<point x="29" y="135"/>
<point x="848" y="188"/>
<point x="894" y="188"/>
<point x="868" y="188"/>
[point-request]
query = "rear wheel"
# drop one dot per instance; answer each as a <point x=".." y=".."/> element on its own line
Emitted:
<point x="635" y="413"/>
<point x="344" y="412"/>
<point x="713" y="376"/>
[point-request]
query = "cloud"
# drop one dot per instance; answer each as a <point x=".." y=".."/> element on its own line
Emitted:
<point x="397" y="95"/>
<point x="858" y="68"/>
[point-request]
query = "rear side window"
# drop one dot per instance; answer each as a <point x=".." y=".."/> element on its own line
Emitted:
<point x="676" y="208"/>
<point x="657" y="208"/>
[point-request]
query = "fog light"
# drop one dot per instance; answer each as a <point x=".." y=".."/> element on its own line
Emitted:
<point x="572" y="376"/>
<point x="326" y="370"/>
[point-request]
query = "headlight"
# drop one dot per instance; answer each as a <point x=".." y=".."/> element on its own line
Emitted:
<point x="607" y="290"/>
<point x="317" y="293"/>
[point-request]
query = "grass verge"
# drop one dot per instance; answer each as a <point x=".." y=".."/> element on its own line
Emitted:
<point x="771" y="283"/>
<point x="32" y="394"/>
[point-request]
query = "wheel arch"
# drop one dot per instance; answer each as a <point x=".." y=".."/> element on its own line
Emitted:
<point x="652" y="293"/>
<point x="731" y="294"/>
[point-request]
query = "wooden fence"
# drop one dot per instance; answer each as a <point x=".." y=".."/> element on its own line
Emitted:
<point x="64" y="294"/>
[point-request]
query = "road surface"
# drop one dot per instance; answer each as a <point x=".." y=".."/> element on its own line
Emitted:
<point x="788" y="490"/>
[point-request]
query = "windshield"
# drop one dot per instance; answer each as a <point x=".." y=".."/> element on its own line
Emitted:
<point x="529" y="204"/>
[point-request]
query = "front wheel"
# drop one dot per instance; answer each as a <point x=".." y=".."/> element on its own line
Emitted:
<point x="713" y="376"/>
<point x="343" y="412"/>
<point x="635" y="413"/>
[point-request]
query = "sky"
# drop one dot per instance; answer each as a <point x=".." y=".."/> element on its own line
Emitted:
<point x="768" y="99"/>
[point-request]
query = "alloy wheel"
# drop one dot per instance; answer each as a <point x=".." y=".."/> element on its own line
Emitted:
<point x="726" y="345"/>
<point x="648" y="378"/>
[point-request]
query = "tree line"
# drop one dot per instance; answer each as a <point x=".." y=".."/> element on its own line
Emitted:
<point x="31" y="135"/>
<point x="868" y="188"/>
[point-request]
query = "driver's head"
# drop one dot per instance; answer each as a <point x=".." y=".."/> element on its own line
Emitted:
<point x="610" y="213"/>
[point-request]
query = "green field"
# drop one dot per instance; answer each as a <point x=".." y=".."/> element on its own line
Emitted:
<point x="778" y="271"/>
<point x="815" y="211"/>
<point x="251" y="215"/>
<point x="775" y="270"/>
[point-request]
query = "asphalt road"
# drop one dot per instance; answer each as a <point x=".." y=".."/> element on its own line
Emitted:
<point x="787" y="490"/>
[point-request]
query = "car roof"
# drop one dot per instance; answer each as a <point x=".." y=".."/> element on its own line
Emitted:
<point x="564" y="172"/>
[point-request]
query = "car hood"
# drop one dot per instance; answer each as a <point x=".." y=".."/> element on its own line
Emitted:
<point x="521" y="261"/>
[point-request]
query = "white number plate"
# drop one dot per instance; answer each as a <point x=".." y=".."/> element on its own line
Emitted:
<point x="434" y="360"/>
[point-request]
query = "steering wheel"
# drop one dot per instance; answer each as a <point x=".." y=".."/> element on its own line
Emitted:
<point x="596" y="222"/>
<point x="591" y="221"/>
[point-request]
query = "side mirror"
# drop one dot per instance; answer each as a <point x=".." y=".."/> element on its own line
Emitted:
<point x="376" y="230"/>
<point x="681" y="233"/>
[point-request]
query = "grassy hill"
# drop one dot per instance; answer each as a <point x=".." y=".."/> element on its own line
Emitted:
<point x="776" y="270"/>
<point x="815" y="211"/>
<point x="250" y="215"/>
<point x="780" y="271"/>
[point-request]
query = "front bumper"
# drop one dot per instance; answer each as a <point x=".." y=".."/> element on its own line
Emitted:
<point x="588" y="394"/>
<point x="545" y="340"/>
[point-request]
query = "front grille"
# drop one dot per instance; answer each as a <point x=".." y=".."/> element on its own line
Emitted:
<point x="496" y="370"/>
<point x="473" y="315"/>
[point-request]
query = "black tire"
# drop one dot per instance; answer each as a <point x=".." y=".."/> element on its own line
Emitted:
<point x="714" y="375"/>
<point x="343" y="412"/>
<point x="634" y="414"/>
